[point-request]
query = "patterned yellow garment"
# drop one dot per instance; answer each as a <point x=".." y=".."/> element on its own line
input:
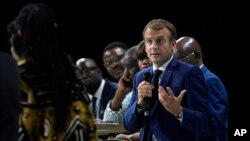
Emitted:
<point x="41" y="122"/>
<point x="37" y="123"/>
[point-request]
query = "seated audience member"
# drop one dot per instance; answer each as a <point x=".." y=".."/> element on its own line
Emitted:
<point x="99" y="89"/>
<point x="112" y="55"/>
<point x="142" y="58"/>
<point x="119" y="104"/>
<point x="189" y="50"/>
<point x="143" y="62"/>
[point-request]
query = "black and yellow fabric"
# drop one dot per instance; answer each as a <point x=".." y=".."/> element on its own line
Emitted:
<point x="38" y="117"/>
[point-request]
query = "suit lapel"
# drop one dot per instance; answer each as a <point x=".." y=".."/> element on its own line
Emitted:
<point x="165" y="78"/>
<point x="168" y="73"/>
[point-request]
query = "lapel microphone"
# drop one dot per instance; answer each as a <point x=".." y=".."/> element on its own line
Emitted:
<point x="147" y="77"/>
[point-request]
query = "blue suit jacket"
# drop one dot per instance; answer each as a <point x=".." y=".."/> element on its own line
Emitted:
<point x="108" y="93"/>
<point x="219" y="104"/>
<point x="196" y="112"/>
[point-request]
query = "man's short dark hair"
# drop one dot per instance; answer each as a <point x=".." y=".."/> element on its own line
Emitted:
<point x="114" y="45"/>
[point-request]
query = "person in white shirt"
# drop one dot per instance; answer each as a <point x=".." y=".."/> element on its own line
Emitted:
<point x="117" y="107"/>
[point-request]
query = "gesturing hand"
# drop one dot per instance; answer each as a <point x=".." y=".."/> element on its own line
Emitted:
<point x="170" y="101"/>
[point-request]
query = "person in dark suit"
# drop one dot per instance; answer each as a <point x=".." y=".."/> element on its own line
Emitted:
<point x="96" y="86"/>
<point x="179" y="108"/>
<point x="188" y="50"/>
<point x="9" y="98"/>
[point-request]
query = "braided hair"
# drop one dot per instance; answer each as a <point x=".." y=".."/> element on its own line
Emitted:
<point x="34" y="37"/>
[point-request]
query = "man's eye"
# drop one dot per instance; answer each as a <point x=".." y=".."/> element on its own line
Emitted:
<point x="148" y="42"/>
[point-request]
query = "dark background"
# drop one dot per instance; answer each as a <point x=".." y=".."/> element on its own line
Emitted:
<point x="220" y="29"/>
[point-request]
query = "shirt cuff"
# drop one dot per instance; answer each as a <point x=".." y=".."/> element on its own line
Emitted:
<point x="111" y="115"/>
<point x="139" y="110"/>
<point x="180" y="116"/>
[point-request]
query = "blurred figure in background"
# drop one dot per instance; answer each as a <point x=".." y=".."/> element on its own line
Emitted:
<point x="54" y="103"/>
<point x="9" y="98"/>
<point x="142" y="58"/>
<point x="188" y="50"/>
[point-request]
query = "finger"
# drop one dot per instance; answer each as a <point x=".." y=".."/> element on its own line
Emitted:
<point x="181" y="95"/>
<point x="142" y="83"/>
<point x="162" y="91"/>
<point x="163" y="96"/>
<point x="146" y="92"/>
<point x="146" y="82"/>
<point x="170" y="92"/>
<point x="141" y="86"/>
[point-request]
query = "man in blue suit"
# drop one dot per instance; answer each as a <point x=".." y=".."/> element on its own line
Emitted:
<point x="173" y="116"/>
<point x="189" y="50"/>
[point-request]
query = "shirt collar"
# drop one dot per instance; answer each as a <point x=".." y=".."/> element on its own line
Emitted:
<point x="164" y="66"/>
<point x="201" y="66"/>
<point x="98" y="93"/>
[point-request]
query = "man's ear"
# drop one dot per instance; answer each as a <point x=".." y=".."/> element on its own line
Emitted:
<point x="173" y="43"/>
<point x="197" y="55"/>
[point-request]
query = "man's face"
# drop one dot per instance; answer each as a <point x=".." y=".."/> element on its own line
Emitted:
<point x="131" y="67"/>
<point x="158" y="46"/>
<point x="112" y="62"/>
<point x="90" y="74"/>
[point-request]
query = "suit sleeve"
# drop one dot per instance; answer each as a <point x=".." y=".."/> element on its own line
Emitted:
<point x="197" y="114"/>
<point x="218" y="104"/>
<point x="133" y="121"/>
